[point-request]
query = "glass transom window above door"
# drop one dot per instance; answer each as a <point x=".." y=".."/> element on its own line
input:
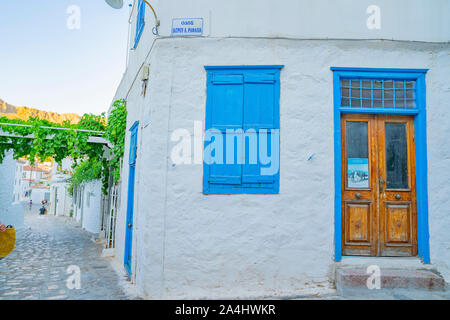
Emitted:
<point x="378" y="93"/>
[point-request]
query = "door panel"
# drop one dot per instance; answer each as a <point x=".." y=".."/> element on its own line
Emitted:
<point x="397" y="222"/>
<point x="378" y="186"/>
<point x="358" y="239"/>
<point x="398" y="215"/>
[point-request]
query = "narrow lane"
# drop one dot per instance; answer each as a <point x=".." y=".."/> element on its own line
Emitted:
<point x="38" y="267"/>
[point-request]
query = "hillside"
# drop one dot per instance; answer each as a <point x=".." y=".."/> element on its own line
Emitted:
<point x="13" y="112"/>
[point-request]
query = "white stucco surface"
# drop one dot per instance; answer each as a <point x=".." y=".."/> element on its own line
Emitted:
<point x="60" y="200"/>
<point x="188" y="245"/>
<point x="91" y="217"/>
<point x="37" y="195"/>
<point x="10" y="214"/>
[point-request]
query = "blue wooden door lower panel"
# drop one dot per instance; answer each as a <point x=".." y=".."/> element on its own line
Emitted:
<point x="130" y="201"/>
<point x="129" y="223"/>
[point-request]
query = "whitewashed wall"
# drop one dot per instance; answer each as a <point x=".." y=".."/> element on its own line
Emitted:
<point x="10" y="214"/>
<point x="189" y="245"/>
<point x="37" y="195"/>
<point x="19" y="185"/>
<point x="61" y="201"/>
<point x="78" y="204"/>
<point x="419" y="20"/>
<point x="91" y="216"/>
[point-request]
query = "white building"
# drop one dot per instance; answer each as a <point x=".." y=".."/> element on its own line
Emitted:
<point x="60" y="199"/>
<point x="331" y="76"/>
<point x="11" y="212"/>
<point x="20" y="187"/>
<point x="84" y="206"/>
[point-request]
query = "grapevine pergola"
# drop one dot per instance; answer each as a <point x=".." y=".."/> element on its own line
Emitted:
<point x="91" y="143"/>
<point x="92" y="139"/>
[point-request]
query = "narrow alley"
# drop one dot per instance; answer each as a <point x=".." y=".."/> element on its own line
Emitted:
<point x="48" y="253"/>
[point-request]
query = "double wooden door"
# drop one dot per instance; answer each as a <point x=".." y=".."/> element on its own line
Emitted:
<point x="379" y="214"/>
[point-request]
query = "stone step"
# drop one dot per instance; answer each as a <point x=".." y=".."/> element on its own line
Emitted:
<point x="357" y="279"/>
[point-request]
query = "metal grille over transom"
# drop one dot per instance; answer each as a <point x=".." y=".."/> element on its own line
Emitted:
<point x="375" y="93"/>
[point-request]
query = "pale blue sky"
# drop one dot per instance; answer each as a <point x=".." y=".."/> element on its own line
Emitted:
<point x="45" y="65"/>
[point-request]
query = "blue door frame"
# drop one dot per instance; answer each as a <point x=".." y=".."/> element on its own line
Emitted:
<point x="419" y="113"/>
<point x="130" y="201"/>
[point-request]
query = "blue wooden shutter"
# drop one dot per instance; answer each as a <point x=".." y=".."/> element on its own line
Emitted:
<point x="140" y="22"/>
<point x="225" y="108"/>
<point x="260" y="113"/>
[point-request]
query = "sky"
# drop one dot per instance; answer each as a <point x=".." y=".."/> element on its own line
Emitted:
<point x="46" y="65"/>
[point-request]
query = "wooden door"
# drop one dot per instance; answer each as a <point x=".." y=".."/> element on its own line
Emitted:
<point x="379" y="215"/>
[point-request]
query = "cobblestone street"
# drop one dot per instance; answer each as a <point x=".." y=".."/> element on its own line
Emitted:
<point x="37" y="269"/>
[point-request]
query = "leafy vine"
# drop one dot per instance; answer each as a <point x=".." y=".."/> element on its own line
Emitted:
<point x="37" y="140"/>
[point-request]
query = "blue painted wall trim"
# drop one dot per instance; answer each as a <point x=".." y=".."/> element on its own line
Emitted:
<point x="378" y="70"/>
<point x="130" y="198"/>
<point x="244" y="67"/>
<point x="419" y="114"/>
<point x="133" y="127"/>
<point x="358" y="110"/>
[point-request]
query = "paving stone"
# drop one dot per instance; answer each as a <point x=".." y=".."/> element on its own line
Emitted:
<point x="37" y="268"/>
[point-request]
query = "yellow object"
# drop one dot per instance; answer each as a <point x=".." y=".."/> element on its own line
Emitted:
<point x="7" y="242"/>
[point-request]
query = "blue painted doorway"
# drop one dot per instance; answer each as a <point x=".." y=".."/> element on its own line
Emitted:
<point x="130" y="201"/>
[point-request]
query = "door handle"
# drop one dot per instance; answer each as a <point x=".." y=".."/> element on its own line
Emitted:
<point x="129" y="225"/>
<point x="381" y="184"/>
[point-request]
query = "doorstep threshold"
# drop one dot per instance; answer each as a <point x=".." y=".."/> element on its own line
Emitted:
<point x="412" y="263"/>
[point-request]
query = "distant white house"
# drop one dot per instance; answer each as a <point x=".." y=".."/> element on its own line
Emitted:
<point x="20" y="187"/>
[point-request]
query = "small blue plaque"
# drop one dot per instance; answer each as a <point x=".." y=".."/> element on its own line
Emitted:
<point x="185" y="27"/>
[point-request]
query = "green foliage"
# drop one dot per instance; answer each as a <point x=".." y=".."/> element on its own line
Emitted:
<point x="115" y="133"/>
<point x="89" y="159"/>
<point x="86" y="171"/>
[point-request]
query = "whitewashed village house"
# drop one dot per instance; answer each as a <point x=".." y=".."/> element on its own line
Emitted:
<point x="35" y="181"/>
<point x="85" y="206"/>
<point x="11" y="211"/>
<point x="359" y="92"/>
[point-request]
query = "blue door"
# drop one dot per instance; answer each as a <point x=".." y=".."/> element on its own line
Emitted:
<point x="130" y="203"/>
